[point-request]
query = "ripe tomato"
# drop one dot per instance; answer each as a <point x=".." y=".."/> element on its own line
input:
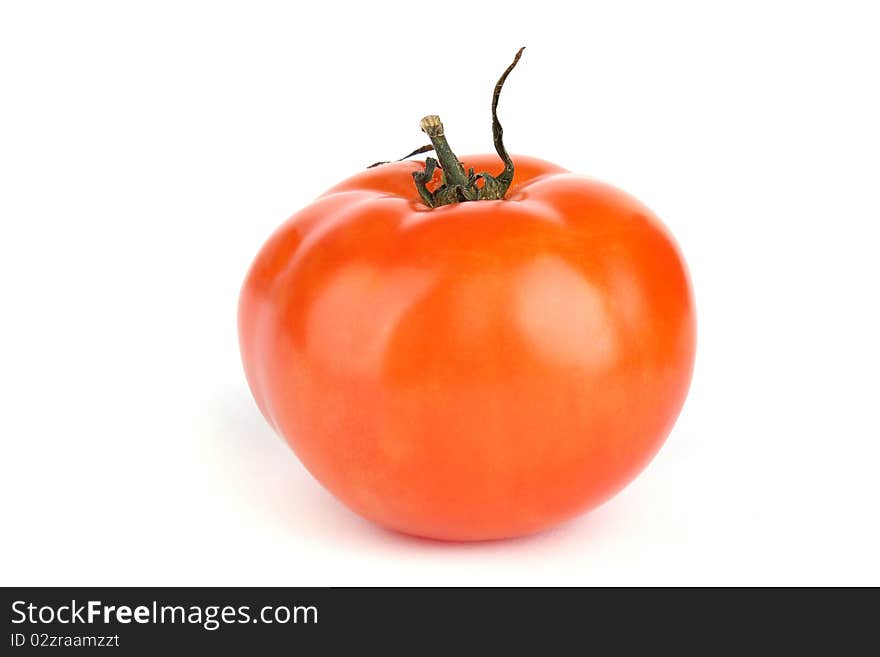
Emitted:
<point x="477" y="370"/>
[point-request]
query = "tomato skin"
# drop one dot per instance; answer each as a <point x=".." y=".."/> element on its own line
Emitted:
<point x="475" y="371"/>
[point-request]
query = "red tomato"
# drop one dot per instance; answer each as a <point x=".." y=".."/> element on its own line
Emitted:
<point x="474" y="371"/>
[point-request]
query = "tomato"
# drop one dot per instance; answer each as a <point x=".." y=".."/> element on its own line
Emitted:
<point x="469" y="356"/>
<point x="473" y="371"/>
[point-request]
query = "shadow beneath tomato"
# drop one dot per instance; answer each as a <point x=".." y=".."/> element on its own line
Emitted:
<point x="422" y="542"/>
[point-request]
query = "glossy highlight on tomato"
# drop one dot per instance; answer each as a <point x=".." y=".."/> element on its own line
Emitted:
<point x="474" y="371"/>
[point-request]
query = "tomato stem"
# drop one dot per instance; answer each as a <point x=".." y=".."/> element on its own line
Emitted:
<point x="457" y="185"/>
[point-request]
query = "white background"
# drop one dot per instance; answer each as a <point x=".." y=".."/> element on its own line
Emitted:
<point x="148" y="149"/>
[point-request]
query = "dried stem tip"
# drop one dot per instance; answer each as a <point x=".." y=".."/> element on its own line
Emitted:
<point x="432" y="126"/>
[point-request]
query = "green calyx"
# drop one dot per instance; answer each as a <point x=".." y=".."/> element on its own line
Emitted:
<point x="458" y="185"/>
